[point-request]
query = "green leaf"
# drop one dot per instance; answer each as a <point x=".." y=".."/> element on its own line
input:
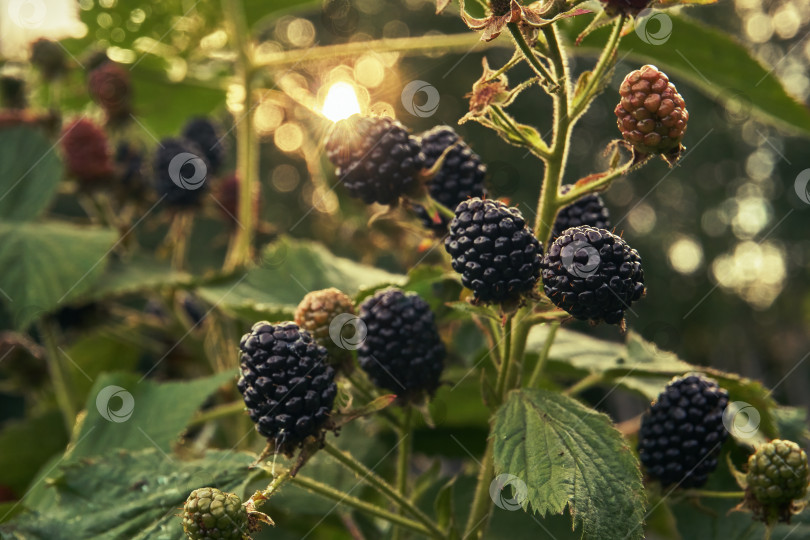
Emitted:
<point x="93" y="354"/>
<point x="126" y="495"/>
<point x="134" y="275"/>
<point x="289" y="270"/>
<point x="712" y="61"/>
<point x="568" y="455"/>
<point x="30" y="172"/>
<point x="125" y="412"/>
<point x="444" y="507"/>
<point x="792" y="423"/>
<point x="25" y="446"/>
<point x="48" y="264"/>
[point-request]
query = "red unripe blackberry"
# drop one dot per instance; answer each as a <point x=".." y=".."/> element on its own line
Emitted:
<point x="592" y="274"/>
<point x="494" y="250"/>
<point x="461" y="176"/>
<point x="87" y="153"/>
<point x="681" y="434"/>
<point x="402" y="351"/>
<point x="287" y="384"/>
<point x="111" y="88"/>
<point x="651" y="115"/>
<point x="376" y="158"/>
<point x="587" y="210"/>
<point x="227" y="197"/>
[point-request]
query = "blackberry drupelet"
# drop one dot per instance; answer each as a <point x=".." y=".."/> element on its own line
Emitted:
<point x="176" y="196"/>
<point x="402" y="351"/>
<point x="681" y="434"/>
<point x="587" y="210"/>
<point x="205" y="134"/>
<point x="87" y="154"/>
<point x="494" y="250"/>
<point x="210" y="513"/>
<point x="777" y="475"/>
<point x="376" y="158"/>
<point x="651" y="115"/>
<point x="316" y="312"/>
<point x="286" y="383"/>
<point x="592" y="274"/>
<point x="461" y="176"/>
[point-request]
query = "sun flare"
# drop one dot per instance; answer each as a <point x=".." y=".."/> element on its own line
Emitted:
<point x="340" y="102"/>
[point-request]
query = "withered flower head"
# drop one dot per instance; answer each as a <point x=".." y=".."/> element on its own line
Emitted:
<point x="503" y="12"/>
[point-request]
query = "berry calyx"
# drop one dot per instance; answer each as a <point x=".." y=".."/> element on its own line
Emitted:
<point x="210" y="513"/>
<point x="286" y="383"/>
<point x="777" y="476"/>
<point x="376" y="158"/>
<point x="592" y="274"/>
<point x="402" y="351"/>
<point x="682" y="432"/>
<point x="651" y="115"/>
<point x="587" y="210"/>
<point x="87" y="153"/>
<point x="460" y="177"/>
<point x="494" y="250"/>
<point x="318" y="314"/>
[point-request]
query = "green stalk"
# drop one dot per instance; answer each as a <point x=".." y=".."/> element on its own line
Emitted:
<point x="403" y="459"/>
<point x="541" y="360"/>
<point x="548" y="205"/>
<point x="519" y="339"/>
<point x="583" y="384"/>
<point x="528" y="53"/>
<point x="62" y="386"/>
<point x="353" y="502"/>
<point x="247" y="144"/>
<point x="584" y="98"/>
<point x="384" y="488"/>
<point x="482" y="503"/>
<point x="713" y="494"/>
<point x="505" y="366"/>
<point x="220" y="411"/>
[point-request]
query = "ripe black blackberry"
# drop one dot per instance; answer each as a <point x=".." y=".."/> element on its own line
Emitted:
<point x="376" y="158"/>
<point x="592" y="274"/>
<point x="286" y="383"/>
<point x="402" y="351"/>
<point x="494" y="250"/>
<point x="588" y="210"/>
<point x="681" y="434"/>
<point x="174" y="153"/>
<point x="206" y="135"/>
<point x="461" y="176"/>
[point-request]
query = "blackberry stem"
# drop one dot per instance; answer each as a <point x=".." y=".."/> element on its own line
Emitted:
<point x="384" y="488"/>
<point x="583" y="384"/>
<point x="404" y="458"/>
<point x="59" y="375"/>
<point x="537" y="372"/>
<point x="531" y="58"/>
<point x="345" y="499"/>
<point x="714" y="494"/>
<point x="220" y="411"/>
<point x="583" y="99"/>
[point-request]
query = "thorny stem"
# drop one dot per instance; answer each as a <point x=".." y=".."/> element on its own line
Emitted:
<point x="608" y="53"/>
<point x="534" y="380"/>
<point x="539" y="148"/>
<point x="531" y="58"/>
<point x="505" y="365"/>
<point x="404" y="457"/>
<point x="61" y="379"/>
<point x="482" y="503"/>
<point x="247" y="145"/>
<point x="384" y="488"/>
<point x="353" y="502"/>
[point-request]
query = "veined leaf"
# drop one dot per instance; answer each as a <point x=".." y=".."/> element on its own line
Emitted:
<point x="568" y="455"/>
<point x="30" y="172"/>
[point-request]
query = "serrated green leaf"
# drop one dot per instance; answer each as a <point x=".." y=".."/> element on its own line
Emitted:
<point x="30" y="172"/>
<point x="289" y="270"/>
<point x="792" y="424"/>
<point x="126" y="495"/>
<point x="46" y="265"/>
<point x="134" y="275"/>
<point x="711" y="60"/>
<point x="570" y="456"/>
<point x="25" y="446"/>
<point x="125" y="412"/>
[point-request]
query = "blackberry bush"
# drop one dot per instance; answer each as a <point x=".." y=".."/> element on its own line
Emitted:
<point x="494" y="250"/>
<point x="377" y="159"/>
<point x="287" y="384"/>
<point x="682" y="433"/>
